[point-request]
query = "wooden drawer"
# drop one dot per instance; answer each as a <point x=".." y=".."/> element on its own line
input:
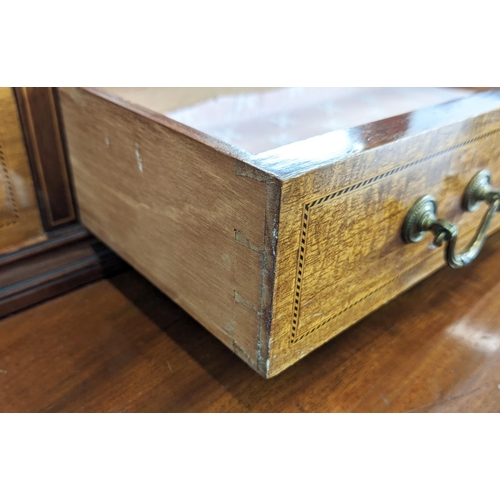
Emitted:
<point x="275" y="217"/>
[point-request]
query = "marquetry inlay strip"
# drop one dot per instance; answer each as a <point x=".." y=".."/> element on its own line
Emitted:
<point x="7" y="185"/>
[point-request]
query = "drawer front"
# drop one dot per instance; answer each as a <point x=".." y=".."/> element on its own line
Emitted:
<point x="340" y="252"/>
<point x="20" y="223"/>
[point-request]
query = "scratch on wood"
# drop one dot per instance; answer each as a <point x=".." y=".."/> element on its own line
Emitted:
<point x="245" y="170"/>
<point x="449" y="400"/>
<point x="238" y="298"/>
<point x="240" y="352"/>
<point x="243" y="241"/>
<point x="138" y="158"/>
<point x="385" y="400"/>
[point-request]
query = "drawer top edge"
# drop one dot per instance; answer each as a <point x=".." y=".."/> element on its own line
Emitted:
<point x="246" y="161"/>
<point x="299" y="158"/>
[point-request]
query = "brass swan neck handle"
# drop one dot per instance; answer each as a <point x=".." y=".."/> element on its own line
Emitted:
<point x="422" y="218"/>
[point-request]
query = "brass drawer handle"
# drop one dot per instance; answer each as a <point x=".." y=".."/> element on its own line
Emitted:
<point x="422" y="218"/>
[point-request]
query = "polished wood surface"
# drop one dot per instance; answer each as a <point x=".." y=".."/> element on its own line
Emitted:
<point x="163" y="100"/>
<point x="20" y="223"/>
<point x="39" y="111"/>
<point x="120" y="345"/>
<point x="276" y="253"/>
<point x="260" y="119"/>
<point x="65" y="261"/>
<point x="340" y="253"/>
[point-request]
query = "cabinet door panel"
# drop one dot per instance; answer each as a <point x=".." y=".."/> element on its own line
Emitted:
<point x="20" y="223"/>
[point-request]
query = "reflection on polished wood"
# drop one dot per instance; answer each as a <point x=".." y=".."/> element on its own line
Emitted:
<point x="120" y="345"/>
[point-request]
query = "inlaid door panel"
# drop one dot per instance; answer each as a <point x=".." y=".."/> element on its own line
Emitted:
<point x="20" y="222"/>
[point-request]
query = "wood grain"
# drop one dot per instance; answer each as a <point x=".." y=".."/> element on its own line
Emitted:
<point x="20" y="223"/>
<point x="39" y="113"/>
<point x="340" y="251"/>
<point x="258" y="122"/>
<point x="65" y="261"/>
<point x="276" y="253"/>
<point x="184" y="215"/>
<point x="120" y="345"/>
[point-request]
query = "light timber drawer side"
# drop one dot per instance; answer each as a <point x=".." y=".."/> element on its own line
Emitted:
<point x="188" y="217"/>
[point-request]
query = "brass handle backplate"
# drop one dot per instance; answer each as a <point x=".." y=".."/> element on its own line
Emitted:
<point x="422" y="218"/>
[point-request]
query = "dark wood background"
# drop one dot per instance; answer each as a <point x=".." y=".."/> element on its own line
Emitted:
<point x="65" y="255"/>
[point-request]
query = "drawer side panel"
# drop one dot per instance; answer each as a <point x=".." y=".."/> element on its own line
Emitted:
<point x="175" y="209"/>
